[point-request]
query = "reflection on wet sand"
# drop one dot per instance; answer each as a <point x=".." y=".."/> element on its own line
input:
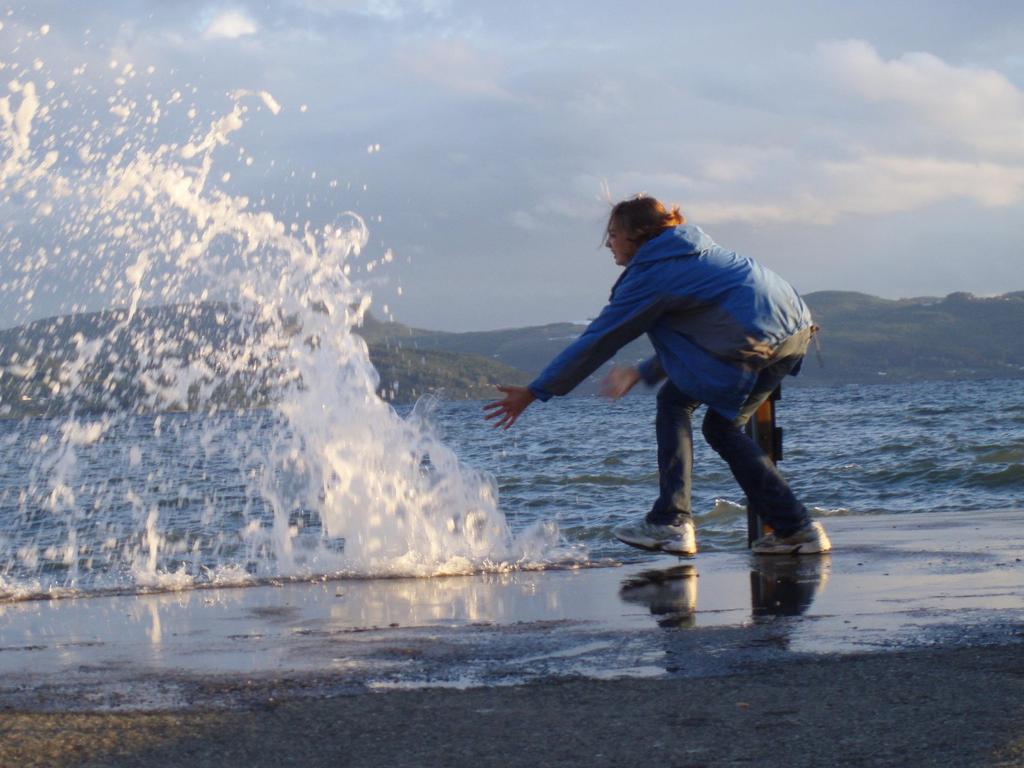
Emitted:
<point x="786" y="586"/>
<point x="669" y="593"/>
<point x="779" y="586"/>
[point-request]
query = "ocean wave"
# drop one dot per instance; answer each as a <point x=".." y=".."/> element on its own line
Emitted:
<point x="1001" y="455"/>
<point x="1011" y="476"/>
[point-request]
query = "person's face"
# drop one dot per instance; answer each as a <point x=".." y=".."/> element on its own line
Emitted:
<point x="622" y="247"/>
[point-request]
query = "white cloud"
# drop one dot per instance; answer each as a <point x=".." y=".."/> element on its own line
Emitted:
<point x="458" y="66"/>
<point x="915" y="131"/>
<point x="711" y="212"/>
<point x="664" y="184"/>
<point x="580" y="201"/>
<point x="886" y="184"/>
<point x="387" y="10"/>
<point x="873" y="185"/>
<point x="229" y="25"/>
<point x="979" y="107"/>
<point x="727" y="170"/>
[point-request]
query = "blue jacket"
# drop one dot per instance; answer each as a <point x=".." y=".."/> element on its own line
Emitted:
<point x="714" y="318"/>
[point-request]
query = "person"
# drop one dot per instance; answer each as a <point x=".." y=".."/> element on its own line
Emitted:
<point x="726" y="331"/>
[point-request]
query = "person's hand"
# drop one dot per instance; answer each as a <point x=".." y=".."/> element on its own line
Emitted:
<point x="619" y="381"/>
<point x="507" y="410"/>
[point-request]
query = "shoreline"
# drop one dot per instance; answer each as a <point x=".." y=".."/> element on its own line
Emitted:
<point x="905" y="646"/>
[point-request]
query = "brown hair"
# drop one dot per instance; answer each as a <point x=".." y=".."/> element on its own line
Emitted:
<point x="642" y="217"/>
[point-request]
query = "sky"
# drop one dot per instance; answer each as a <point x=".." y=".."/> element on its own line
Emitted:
<point x="869" y="146"/>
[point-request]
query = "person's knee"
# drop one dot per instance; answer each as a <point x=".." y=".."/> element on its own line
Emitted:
<point x="673" y="401"/>
<point x="717" y="429"/>
<point x="668" y="395"/>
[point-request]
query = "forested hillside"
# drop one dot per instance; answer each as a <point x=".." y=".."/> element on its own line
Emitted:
<point x="863" y="339"/>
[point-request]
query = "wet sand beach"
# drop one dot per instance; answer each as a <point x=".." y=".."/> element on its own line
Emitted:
<point x="903" y="647"/>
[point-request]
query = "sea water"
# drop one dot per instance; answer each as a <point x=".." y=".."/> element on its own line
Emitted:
<point x="950" y="446"/>
<point x="577" y="465"/>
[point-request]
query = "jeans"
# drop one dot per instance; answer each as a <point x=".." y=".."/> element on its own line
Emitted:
<point x="767" y="491"/>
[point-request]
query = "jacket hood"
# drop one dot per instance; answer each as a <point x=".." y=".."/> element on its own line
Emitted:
<point x="684" y="240"/>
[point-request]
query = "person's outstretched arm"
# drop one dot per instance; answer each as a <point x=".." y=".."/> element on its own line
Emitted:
<point x="508" y="409"/>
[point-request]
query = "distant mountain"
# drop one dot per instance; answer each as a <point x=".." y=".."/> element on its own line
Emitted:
<point x="866" y="339"/>
<point x="527" y="350"/>
<point x="33" y="357"/>
<point x="863" y="339"/>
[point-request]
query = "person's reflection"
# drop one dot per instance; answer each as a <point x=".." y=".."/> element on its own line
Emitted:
<point x="786" y="586"/>
<point x="779" y="586"/>
<point x="669" y="593"/>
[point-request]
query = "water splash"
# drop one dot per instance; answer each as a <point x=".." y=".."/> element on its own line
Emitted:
<point x="329" y="479"/>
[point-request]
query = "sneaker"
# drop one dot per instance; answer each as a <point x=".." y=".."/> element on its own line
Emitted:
<point x="809" y="540"/>
<point x="678" y="539"/>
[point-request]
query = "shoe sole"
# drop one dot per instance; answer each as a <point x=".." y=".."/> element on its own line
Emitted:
<point x="650" y="545"/>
